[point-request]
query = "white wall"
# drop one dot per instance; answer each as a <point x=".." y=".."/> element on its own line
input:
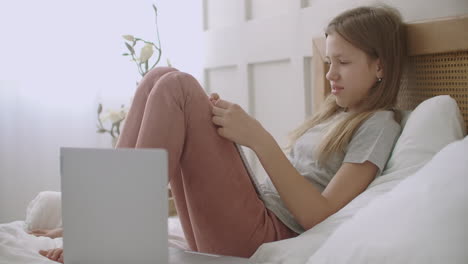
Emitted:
<point x="258" y="52"/>
<point x="58" y="60"/>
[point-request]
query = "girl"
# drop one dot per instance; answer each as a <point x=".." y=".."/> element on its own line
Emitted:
<point x="333" y="156"/>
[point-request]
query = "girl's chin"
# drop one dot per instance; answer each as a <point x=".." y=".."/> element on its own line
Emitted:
<point x="340" y="103"/>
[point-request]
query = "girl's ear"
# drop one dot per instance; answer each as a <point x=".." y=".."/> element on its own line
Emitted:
<point x="379" y="69"/>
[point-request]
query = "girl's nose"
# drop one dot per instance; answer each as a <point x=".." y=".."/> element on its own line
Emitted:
<point x="332" y="75"/>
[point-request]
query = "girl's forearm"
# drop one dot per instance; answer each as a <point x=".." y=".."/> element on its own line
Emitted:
<point x="302" y="199"/>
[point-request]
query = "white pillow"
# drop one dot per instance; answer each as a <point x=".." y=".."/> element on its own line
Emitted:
<point x="422" y="220"/>
<point x="432" y="125"/>
<point x="44" y="211"/>
<point x="404" y="117"/>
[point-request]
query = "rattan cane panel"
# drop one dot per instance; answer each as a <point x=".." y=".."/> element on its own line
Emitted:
<point x="436" y="74"/>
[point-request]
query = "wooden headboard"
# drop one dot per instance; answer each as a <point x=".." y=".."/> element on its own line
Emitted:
<point x="438" y="64"/>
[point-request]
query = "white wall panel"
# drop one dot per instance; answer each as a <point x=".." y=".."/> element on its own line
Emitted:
<point x="221" y="13"/>
<point x="423" y="9"/>
<point x="268" y="8"/>
<point x="305" y="3"/>
<point x="275" y="93"/>
<point x="226" y="82"/>
<point x="276" y="99"/>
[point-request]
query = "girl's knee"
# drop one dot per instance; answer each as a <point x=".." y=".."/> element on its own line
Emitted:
<point x="182" y="88"/>
<point x="158" y="72"/>
<point x="185" y="78"/>
<point x="151" y="78"/>
<point x="180" y="82"/>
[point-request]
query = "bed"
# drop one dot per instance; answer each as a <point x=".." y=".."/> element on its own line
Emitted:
<point x="414" y="213"/>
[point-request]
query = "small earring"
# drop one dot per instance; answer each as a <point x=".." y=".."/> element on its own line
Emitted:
<point x="379" y="80"/>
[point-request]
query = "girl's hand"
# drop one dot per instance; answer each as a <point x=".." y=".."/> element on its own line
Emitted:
<point x="55" y="254"/>
<point x="52" y="233"/>
<point x="235" y="124"/>
<point x="213" y="98"/>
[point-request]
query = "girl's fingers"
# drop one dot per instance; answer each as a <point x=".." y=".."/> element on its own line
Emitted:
<point x="218" y="111"/>
<point x="223" y="104"/>
<point x="53" y="254"/>
<point x="213" y="101"/>
<point x="56" y="253"/>
<point x="221" y="132"/>
<point x="218" y="120"/>
<point x="37" y="232"/>
<point x="214" y="96"/>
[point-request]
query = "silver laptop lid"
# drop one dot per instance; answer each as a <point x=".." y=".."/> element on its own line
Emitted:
<point x="114" y="205"/>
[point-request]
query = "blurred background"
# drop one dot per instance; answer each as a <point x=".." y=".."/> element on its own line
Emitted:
<point x="60" y="59"/>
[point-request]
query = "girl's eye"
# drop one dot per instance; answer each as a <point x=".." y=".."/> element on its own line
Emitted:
<point x="344" y="62"/>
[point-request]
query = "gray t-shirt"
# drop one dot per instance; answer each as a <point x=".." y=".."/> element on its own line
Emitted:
<point x="373" y="141"/>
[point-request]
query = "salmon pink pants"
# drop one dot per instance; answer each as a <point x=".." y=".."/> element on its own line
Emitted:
<point x="219" y="208"/>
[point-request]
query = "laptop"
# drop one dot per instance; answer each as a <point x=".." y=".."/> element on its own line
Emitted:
<point x="114" y="208"/>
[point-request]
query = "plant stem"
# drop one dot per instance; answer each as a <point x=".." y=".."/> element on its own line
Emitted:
<point x="159" y="41"/>
<point x="138" y="65"/>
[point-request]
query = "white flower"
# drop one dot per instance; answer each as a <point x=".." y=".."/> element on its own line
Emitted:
<point x="128" y="37"/>
<point x="146" y="52"/>
<point x="114" y="115"/>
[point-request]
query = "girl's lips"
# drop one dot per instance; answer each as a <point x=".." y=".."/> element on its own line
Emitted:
<point x="336" y="89"/>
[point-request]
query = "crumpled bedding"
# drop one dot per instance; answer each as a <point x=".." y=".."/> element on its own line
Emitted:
<point x="44" y="212"/>
<point x="17" y="246"/>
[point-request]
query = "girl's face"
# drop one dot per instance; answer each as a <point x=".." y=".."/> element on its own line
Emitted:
<point x="352" y="73"/>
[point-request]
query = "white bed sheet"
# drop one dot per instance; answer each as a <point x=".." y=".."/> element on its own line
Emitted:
<point x="19" y="247"/>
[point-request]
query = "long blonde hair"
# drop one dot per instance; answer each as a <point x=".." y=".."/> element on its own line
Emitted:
<point x="379" y="32"/>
